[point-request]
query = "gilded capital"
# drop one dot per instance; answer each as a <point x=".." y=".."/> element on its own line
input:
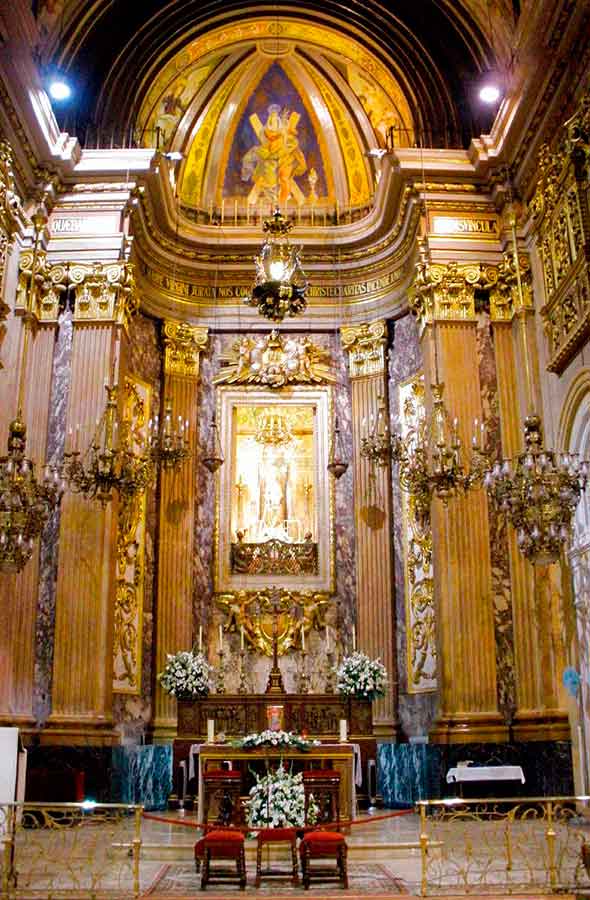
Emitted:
<point x="183" y="345"/>
<point x="104" y="293"/>
<point x="507" y="297"/>
<point x="40" y="286"/>
<point x="446" y="291"/>
<point x="366" y="348"/>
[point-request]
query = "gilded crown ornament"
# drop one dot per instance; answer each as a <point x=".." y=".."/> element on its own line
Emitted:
<point x="280" y="284"/>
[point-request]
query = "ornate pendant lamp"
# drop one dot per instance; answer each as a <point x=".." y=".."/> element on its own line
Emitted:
<point x="25" y="502"/>
<point x="213" y="457"/>
<point x="279" y="288"/>
<point x="337" y="464"/>
<point x="168" y="441"/>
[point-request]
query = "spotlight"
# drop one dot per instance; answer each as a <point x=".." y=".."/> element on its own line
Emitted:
<point x="59" y="89"/>
<point x="489" y="93"/>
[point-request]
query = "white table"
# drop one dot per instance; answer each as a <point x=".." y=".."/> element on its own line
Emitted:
<point x="485" y="773"/>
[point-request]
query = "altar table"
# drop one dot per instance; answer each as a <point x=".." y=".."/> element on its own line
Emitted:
<point x="337" y="756"/>
<point x="485" y="773"/>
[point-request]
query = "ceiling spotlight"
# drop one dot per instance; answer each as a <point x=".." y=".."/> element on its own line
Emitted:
<point x="59" y="89"/>
<point x="489" y="93"/>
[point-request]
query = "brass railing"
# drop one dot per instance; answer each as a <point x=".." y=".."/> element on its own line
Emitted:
<point x="55" y="850"/>
<point x="504" y="846"/>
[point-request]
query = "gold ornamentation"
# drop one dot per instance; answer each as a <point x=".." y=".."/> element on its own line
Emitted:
<point x="274" y="557"/>
<point x="366" y="348"/>
<point x="183" y="345"/>
<point x="256" y="612"/>
<point x="505" y="302"/>
<point x="130" y="555"/>
<point x="104" y="293"/>
<point x="419" y="580"/>
<point x="50" y="282"/>
<point x="11" y="215"/>
<point x="275" y="360"/>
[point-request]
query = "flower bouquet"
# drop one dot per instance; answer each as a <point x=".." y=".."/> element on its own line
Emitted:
<point x="186" y="675"/>
<point x="277" y="801"/>
<point x="268" y="738"/>
<point x="360" y="677"/>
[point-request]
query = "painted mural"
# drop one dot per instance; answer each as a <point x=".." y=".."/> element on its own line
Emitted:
<point x="275" y="155"/>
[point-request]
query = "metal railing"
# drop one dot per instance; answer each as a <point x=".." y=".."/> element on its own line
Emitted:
<point x="503" y="845"/>
<point x="70" y="850"/>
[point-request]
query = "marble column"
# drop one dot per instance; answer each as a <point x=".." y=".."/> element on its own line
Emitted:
<point x="443" y="299"/>
<point x="83" y="645"/>
<point x="366" y="346"/>
<point x="538" y="650"/>
<point x="174" y="604"/>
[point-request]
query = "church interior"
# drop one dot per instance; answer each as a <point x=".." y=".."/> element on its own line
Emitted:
<point x="295" y="404"/>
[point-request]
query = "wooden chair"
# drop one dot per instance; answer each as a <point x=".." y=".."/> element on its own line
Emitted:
<point x="275" y="836"/>
<point x="324" y="845"/>
<point x="224" y="844"/>
<point x="324" y="784"/>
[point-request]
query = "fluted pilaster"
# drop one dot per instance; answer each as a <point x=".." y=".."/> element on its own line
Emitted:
<point x="374" y="611"/>
<point x="177" y="516"/>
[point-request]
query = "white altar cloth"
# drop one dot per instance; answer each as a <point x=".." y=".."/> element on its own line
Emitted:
<point x="485" y="773"/>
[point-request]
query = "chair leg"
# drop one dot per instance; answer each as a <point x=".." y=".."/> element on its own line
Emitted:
<point x="258" y="865"/>
<point x="343" y="867"/>
<point x="295" y="865"/>
<point x="305" y="868"/>
<point x="242" y="869"/>
<point x="205" y="870"/>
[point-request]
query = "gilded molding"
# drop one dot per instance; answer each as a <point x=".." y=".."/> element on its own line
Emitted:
<point x="505" y="299"/>
<point x="183" y="344"/>
<point x="561" y="216"/>
<point x="446" y="292"/>
<point x="11" y="216"/>
<point x="365" y="345"/>
<point x="275" y="360"/>
<point x="130" y="577"/>
<point x="104" y="293"/>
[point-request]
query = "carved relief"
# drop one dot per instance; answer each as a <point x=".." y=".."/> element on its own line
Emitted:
<point x="183" y="344"/>
<point x="131" y="526"/>
<point x="561" y="213"/>
<point x="275" y="360"/>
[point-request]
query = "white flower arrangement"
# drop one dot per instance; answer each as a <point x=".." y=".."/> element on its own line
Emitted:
<point x="279" y="739"/>
<point x="277" y="800"/>
<point x="361" y="677"/>
<point x="186" y="674"/>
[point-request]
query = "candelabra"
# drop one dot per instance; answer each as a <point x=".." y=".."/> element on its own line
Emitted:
<point x="220" y="674"/>
<point x="280" y="284"/>
<point x="110" y="463"/>
<point x="25" y="503"/>
<point x="168" y="445"/>
<point x="243" y="685"/>
<point x="303" y="677"/>
<point x="538" y="493"/>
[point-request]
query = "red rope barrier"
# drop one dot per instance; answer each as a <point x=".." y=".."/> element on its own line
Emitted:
<point x="252" y="829"/>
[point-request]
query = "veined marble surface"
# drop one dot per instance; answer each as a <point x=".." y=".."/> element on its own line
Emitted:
<point x="142" y="774"/>
<point x="407" y="773"/>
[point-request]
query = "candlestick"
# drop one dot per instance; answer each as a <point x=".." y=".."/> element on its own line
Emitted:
<point x="221" y="638"/>
<point x="200" y="638"/>
<point x="220" y="681"/>
<point x="327" y="638"/>
<point x="353" y="639"/>
<point x="243" y="685"/>
<point x="210" y="730"/>
<point x="303" y="676"/>
<point x="343" y="731"/>
<point x="241" y="637"/>
<point x="303" y="638"/>
<point x="330" y="673"/>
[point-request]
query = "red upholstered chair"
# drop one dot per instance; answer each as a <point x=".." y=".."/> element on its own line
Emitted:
<point x="226" y="784"/>
<point x="270" y="836"/>
<point x="324" y="784"/>
<point x="324" y="845"/>
<point x="221" y="844"/>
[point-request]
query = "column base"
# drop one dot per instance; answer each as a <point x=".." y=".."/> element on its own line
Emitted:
<point x="75" y="731"/>
<point x="469" y="728"/>
<point x="387" y="730"/>
<point x="541" y="725"/>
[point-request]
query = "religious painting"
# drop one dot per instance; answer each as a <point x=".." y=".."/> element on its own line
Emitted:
<point x="275" y="497"/>
<point x="275" y="157"/>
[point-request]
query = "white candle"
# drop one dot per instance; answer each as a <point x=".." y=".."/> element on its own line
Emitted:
<point x="220" y="638"/>
<point x="327" y="638"/>
<point x="353" y="638"/>
<point x="343" y="731"/>
<point x="200" y="638"/>
<point x="303" y="637"/>
<point x="241" y="637"/>
<point x="210" y="730"/>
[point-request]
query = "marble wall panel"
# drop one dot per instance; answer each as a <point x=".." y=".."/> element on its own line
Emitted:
<point x="501" y="587"/>
<point x="407" y="773"/>
<point x="49" y="547"/>
<point x="416" y="711"/>
<point x="142" y="775"/>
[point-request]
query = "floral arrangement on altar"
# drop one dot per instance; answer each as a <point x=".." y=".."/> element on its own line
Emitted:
<point x="277" y="801"/>
<point x="360" y="677"/>
<point x="268" y="738"/>
<point x="186" y="675"/>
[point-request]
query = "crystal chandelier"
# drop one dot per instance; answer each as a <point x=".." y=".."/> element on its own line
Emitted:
<point x="538" y="493"/>
<point x="25" y="503"/>
<point x="280" y="284"/>
<point x="111" y="462"/>
<point x="428" y="455"/>
<point x="212" y="457"/>
<point x="168" y="442"/>
<point x="337" y="464"/>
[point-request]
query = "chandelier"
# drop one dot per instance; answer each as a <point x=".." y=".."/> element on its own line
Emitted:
<point x="168" y="442"/>
<point x="25" y="503"/>
<point x="538" y="492"/>
<point x="428" y="454"/>
<point x="280" y="284"/>
<point x="111" y="462"/>
<point x="273" y="429"/>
